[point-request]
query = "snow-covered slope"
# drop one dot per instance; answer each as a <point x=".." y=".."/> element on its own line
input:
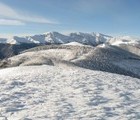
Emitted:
<point x="8" y="50"/>
<point x="62" y="93"/>
<point x="106" y="58"/>
<point x="74" y="44"/>
<point x="58" y="38"/>
<point x="124" y="40"/>
<point x="127" y="43"/>
<point x="44" y="54"/>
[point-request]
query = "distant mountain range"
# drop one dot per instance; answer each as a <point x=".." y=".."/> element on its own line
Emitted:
<point x="10" y="46"/>
<point x="93" y="39"/>
<point x="58" y="38"/>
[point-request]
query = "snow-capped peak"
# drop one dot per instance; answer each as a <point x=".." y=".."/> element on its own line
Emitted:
<point x="79" y="37"/>
<point x="58" y="38"/>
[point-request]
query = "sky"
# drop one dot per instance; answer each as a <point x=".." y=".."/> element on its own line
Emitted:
<point x="112" y="17"/>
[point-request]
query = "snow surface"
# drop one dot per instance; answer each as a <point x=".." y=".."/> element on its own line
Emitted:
<point x="51" y="56"/>
<point x="42" y="57"/>
<point x="74" y="43"/>
<point x="67" y="93"/>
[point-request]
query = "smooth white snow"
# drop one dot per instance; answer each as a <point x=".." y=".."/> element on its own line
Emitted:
<point x="67" y="93"/>
<point x="74" y="44"/>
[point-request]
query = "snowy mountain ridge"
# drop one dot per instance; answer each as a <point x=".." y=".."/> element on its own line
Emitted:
<point x="79" y="37"/>
<point x="58" y="38"/>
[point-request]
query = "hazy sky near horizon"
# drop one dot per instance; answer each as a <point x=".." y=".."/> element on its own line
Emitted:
<point x="113" y="17"/>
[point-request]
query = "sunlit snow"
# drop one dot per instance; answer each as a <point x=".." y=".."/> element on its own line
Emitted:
<point x="70" y="93"/>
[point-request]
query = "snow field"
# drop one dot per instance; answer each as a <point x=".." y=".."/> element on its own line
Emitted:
<point x="57" y="93"/>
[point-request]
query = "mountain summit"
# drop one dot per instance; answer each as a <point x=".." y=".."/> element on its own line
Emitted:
<point x="58" y="38"/>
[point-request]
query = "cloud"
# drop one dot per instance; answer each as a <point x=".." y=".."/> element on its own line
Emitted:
<point x="35" y="19"/>
<point x="7" y="11"/>
<point x="10" y="22"/>
<point x="9" y="15"/>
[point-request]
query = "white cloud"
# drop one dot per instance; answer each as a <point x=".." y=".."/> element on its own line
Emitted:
<point x="36" y="19"/>
<point x="6" y="12"/>
<point x="10" y="22"/>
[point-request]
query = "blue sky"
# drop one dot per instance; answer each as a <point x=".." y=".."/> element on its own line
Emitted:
<point x="113" y="17"/>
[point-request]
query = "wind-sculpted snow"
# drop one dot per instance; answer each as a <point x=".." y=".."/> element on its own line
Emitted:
<point x="67" y="93"/>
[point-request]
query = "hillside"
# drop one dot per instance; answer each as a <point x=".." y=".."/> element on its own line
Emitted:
<point x="9" y="50"/>
<point x="110" y="58"/>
